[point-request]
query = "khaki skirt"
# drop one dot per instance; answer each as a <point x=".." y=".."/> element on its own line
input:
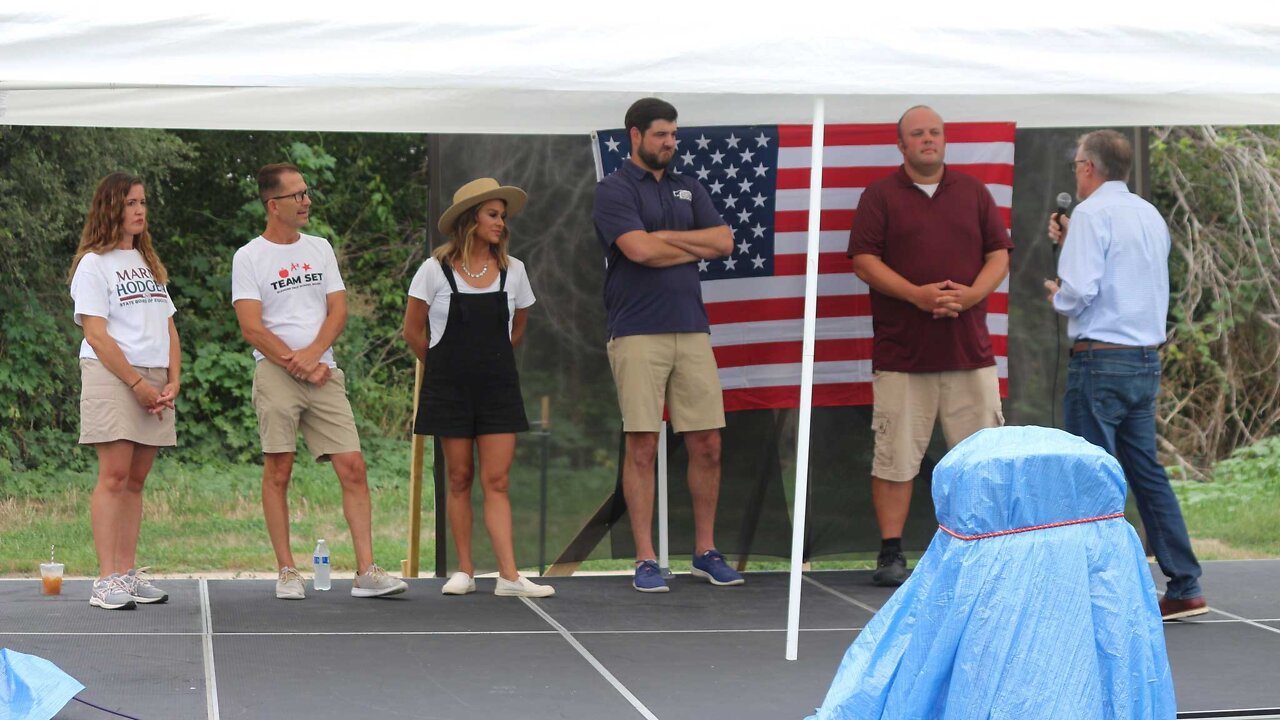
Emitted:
<point x="109" y="412"/>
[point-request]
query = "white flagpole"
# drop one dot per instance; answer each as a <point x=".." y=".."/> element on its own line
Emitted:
<point x="806" y="378"/>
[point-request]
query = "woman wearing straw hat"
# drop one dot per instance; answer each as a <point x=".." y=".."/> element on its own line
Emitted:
<point x="129" y="373"/>
<point x="467" y="309"/>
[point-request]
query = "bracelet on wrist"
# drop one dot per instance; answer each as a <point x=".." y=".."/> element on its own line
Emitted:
<point x="135" y="382"/>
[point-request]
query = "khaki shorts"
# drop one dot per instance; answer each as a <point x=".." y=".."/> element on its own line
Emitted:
<point x="906" y="405"/>
<point x="677" y="367"/>
<point x="286" y="405"/>
<point x="109" y="411"/>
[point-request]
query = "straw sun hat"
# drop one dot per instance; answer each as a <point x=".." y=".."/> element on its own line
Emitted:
<point x="477" y="192"/>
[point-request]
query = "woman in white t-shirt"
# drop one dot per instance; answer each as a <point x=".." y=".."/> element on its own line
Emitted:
<point x="129" y="372"/>
<point x="467" y="309"/>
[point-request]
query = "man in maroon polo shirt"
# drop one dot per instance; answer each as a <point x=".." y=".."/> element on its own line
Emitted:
<point x="931" y="244"/>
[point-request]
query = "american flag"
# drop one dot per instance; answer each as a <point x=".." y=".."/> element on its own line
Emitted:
<point x="758" y="177"/>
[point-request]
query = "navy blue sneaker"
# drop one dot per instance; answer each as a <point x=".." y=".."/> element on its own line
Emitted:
<point x="711" y="565"/>
<point x="649" y="578"/>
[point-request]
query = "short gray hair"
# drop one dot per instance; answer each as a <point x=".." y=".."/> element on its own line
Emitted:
<point x="1110" y="152"/>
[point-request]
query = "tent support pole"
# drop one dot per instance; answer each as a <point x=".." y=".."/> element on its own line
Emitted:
<point x="806" y="379"/>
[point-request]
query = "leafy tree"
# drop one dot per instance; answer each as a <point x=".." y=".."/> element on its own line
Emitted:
<point x="201" y="188"/>
<point x="1220" y="189"/>
<point x="47" y="176"/>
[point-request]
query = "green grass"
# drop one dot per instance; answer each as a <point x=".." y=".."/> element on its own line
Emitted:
<point x="203" y="517"/>
<point x="199" y="518"/>
<point x="1237" y="514"/>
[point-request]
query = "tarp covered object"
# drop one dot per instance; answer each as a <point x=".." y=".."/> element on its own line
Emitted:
<point x="32" y="688"/>
<point x="1059" y="622"/>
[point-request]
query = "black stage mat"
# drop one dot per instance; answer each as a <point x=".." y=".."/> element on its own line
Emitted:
<point x="698" y="651"/>
<point x="411" y="676"/>
<point x="152" y="677"/>
<point x="250" y="606"/>
<point x="739" y="675"/>
<point x="23" y="608"/>
<point x="1223" y="665"/>
<point x="585" y="604"/>
<point x="1248" y="588"/>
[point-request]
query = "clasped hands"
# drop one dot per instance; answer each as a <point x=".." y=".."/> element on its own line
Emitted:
<point x="305" y="365"/>
<point x="945" y="299"/>
<point x="156" y="401"/>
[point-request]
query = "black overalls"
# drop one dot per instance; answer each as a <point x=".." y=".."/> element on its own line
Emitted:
<point x="471" y="386"/>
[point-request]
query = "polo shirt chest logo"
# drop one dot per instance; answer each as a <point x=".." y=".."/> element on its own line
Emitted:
<point x="685" y="195"/>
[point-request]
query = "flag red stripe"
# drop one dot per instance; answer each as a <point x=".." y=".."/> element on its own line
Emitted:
<point x="798" y="220"/>
<point x="887" y="134"/>
<point x="778" y="353"/>
<point x="788" y="396"/>
<point x="829" y="306"/>
<point x="862" y="176"/>
<point x="789" y="308"/>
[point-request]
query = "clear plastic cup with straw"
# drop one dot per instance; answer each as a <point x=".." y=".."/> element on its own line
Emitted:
<point x="51" y="575"/>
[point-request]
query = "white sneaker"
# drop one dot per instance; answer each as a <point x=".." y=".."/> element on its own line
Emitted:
<point x="522" y="587"/>
<point x="289" y="585"/>
<point x="375" y="582"/>
<point x="459" y="583"/>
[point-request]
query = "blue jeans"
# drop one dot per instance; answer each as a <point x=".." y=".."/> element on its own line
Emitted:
<point x="1111" y="402"/>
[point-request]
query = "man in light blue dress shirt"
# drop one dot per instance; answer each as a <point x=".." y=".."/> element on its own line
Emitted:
<point x="1113" y="288"/>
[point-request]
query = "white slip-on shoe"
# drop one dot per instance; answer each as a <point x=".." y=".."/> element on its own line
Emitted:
<point x="522" y="587"/>
<point x="459" y="583"/>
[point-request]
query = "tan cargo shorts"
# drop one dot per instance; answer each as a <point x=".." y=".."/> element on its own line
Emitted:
<point x="907" y="404"/>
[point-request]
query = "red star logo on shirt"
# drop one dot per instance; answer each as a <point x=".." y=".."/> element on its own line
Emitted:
<point x="306" y="266"/>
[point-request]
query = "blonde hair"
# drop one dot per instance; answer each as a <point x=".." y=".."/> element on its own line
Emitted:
<point x="101" y="232"/>
<point x="462" y="238"/>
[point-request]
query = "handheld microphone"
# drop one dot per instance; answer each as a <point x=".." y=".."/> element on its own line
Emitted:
<point x="1064" y="202"/>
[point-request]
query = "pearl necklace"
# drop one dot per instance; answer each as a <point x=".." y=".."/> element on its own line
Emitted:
<point x="467" y="271"/>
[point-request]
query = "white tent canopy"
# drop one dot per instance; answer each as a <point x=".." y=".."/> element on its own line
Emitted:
<point x="570" y="67"/>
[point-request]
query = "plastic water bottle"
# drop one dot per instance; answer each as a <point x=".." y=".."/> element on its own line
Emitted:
<point x="320" y="566"/>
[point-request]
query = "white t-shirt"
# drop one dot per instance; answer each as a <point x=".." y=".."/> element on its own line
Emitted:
<point x="293" y="283"/>
<point x="430" y="286"/>
<point x="118" y="285"/>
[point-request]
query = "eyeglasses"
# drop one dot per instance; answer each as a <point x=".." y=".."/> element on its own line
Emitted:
<point x="1076" y="163"/>
<point x="297" y="197"/>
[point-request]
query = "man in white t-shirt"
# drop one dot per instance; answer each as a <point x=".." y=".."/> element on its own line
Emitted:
<point x="292" y="306"/>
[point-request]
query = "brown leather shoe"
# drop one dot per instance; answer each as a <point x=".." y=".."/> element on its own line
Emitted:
<point x="1178" y="609"/>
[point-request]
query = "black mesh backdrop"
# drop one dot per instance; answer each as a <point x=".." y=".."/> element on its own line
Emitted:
<point x="563" y="359"/>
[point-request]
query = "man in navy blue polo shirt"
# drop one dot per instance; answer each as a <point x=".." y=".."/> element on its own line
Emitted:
<point x="654" y="227"/>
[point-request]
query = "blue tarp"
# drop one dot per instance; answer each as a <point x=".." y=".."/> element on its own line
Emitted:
<point x="32" y="688"/>
<point x="1059" y="623"/>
